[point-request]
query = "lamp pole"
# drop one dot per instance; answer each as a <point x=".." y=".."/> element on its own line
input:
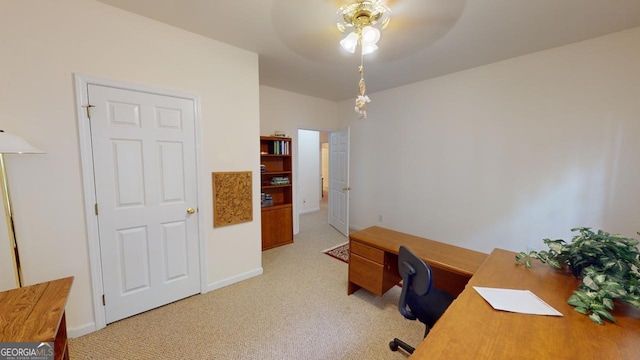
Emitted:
<point x="12" y="144"/>
<point x="6" y="197"/>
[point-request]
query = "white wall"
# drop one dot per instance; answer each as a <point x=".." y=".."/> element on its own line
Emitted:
<point x="506" y="154"/>
<point x="43" y="44"/>
<point x="308" y="171"/>
<point x="288" y="111"/>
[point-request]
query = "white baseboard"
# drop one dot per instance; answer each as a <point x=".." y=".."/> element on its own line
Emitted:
<point x="77" y="331"/>
<point x="306" y="211"/>
<point x="232" y="280"/>
<point x="355" y="228"/>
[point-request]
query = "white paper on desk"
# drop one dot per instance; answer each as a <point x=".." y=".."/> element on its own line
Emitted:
<point x="520" y="301"/>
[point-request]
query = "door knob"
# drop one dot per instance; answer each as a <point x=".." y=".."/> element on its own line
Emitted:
<point x="191" y="211"/>
<point x="346" y="188"/>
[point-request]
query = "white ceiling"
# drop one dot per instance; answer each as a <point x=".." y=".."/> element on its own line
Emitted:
<point x="297" y="40"/>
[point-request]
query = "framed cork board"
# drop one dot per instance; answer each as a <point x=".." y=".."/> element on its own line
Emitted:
<point x="232" y="201"/>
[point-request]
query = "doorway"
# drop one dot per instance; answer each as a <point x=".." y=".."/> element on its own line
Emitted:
<point x="321" y="166"/>
<point x="310" y="175"/>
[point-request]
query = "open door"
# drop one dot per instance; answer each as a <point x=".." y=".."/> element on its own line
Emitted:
<point x="339" y="180"/>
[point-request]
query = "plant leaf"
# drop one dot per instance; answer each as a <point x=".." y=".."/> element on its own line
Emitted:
<point x="575" y="301"/>
<point x="607" y="315"/>
<point x="595" y="306"/>
<point x="581" y="310"/>
<point x="555" y="246"/>
<point x="634" y="302"/>
<point x="588" y="281"/>
<point x="596" y="318"/>
<point x="553" y="263"/>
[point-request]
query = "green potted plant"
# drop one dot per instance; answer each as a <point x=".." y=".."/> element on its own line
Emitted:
<point x="607" y="264"/>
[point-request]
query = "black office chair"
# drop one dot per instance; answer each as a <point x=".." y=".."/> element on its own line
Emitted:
<point x="426" y="302"/>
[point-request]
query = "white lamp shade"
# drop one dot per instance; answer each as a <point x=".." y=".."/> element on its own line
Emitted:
<point x="370" y="36"/>
<point x="12" y="144"/>
<point x="350" y="42"/>
<point x="369" y="48"/>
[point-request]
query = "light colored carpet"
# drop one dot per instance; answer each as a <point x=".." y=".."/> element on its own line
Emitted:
<point x="297" y="309"/>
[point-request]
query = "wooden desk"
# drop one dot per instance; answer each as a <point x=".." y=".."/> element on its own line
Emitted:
<point x="373" y="260"/>
<point x="36" y="314"/>
<point x="472" y="329"/>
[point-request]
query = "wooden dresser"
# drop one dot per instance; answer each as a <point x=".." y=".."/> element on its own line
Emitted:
<point x="36" y="314"/>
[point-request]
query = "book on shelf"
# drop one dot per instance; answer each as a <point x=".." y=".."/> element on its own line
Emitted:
<point x="279" y="180"/>
<point x="266" y="200"/>
<point x="279" y="147"/>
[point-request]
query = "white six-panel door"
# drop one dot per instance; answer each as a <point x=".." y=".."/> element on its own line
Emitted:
<point x="339" y="180"/>
<point x="145" y="179"/>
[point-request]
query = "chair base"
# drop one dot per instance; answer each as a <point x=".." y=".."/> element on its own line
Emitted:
<point x="396" y="343"/>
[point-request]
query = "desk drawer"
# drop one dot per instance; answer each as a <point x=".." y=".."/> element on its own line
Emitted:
<point x="367" y="252"/>
<point x="366" y="273"/>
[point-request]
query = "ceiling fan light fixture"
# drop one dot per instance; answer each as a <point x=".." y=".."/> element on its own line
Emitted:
<point x="367" y="17"/>
<point x="350" y="42"/>
<point x="369" y="48"/>
<point x="370" y="36"/>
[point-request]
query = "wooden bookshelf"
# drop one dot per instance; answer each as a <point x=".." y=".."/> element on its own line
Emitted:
<point x="276" y="183"/>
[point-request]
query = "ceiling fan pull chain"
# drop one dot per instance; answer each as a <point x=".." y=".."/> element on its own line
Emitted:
<point x="362" y="99"/>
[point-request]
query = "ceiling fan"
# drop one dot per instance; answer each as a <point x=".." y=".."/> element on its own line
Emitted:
<point x="309" y="29"/>
<point x="316" y="31"/>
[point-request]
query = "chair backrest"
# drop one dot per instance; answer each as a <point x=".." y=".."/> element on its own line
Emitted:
<point x="416" y="276"/>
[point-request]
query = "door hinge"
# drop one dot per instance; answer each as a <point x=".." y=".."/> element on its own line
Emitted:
<point x="88" y="107"/>
<point x="104" y="301"/>
<point x="96" y="208"/>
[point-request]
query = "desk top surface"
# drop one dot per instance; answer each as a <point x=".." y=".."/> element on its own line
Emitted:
<point x="471" y="328"/>
<point x="453" y="258"/>
<point x="33" y="313"/>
